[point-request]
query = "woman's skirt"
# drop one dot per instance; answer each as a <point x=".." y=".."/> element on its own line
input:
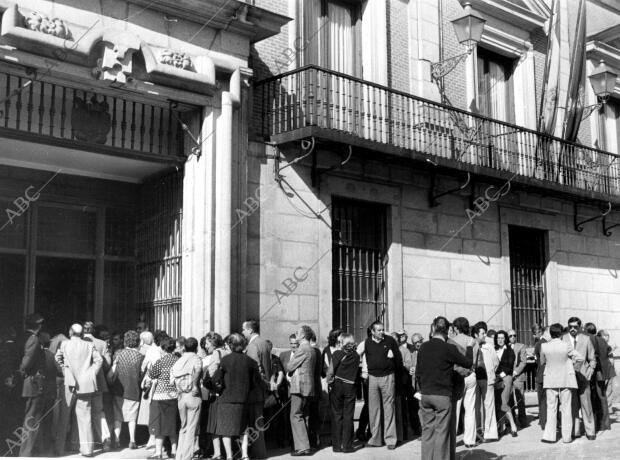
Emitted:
<point x="125" y="410"/>
<point x="232" y="419"/>
<point x="163" y="418"/>
<point x="212" y="417"/>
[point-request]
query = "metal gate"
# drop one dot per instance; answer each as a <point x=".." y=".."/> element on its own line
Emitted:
<point x="528" y="261"/>
<point x="159" y="254"/>
<point x="358" y="265"/>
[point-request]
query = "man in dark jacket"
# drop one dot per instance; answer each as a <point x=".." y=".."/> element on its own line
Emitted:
<point x="258" y="349"/>
<point x="435" y="367"/>
<point x="537" y="332"/>
<point x="32" y="368"/>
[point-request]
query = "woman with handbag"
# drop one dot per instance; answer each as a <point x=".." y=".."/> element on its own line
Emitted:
<point x="214" y="347"/>
<point x="235" y="377"/>
<point x="341" y="376"/>
<point x="163" y="411"/>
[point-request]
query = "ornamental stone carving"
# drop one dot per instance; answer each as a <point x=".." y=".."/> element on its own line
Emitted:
<point x="115" y="64"/>
<point x="176" y="59"/>
<point x="40" y="23"/>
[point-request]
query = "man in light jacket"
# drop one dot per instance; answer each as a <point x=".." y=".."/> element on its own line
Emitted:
<point x="559" y="380"/>
<point x="301" y="368"/>
<point x="584" y="364"/>
<point x="485" y="364"/>
<point x="80" y="362"/>
<point x="100" y="425"/>
<point x="468" y="398"/>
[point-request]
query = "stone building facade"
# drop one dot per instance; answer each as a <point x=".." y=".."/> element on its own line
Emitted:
<point x="124" y="125"/>
<point x="354" y="143"/>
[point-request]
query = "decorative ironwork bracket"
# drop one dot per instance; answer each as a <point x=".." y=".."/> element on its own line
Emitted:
<point x="432" y="197"/>
<point x="606" y="229"/>
<point x="587" y="111"/>
<point x="307" y="146"/>
<point x="442" y="68"/>
<point x="317" y="173"/>
<point x="579" y="224"/>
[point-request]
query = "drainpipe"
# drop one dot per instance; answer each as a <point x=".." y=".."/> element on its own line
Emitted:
<point x="223" y="205"/>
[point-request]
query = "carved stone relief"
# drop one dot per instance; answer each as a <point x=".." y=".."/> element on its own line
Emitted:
<point x="41" y="23"/>
<point x="176" y="59"/>
<point x="115" y="63"/>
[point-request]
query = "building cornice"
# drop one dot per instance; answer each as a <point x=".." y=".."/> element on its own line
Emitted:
<point x="510" y="13"/>
<point x="235" y="16"/>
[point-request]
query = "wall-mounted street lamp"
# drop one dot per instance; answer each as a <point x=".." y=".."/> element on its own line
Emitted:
<point x="603" y="82"/>
<point x="468" y="29"/>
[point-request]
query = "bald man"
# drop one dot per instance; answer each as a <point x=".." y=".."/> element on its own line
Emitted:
<point x="80" y="362"/>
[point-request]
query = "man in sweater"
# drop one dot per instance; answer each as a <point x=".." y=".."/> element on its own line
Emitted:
<point x="467" y="399"/>
<point x="436" y="361"/>
<point x="383" y="362"/>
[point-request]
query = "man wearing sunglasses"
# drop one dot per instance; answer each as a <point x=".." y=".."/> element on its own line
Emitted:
<point x="518" y="375"/>
<point x="584" y="365"/>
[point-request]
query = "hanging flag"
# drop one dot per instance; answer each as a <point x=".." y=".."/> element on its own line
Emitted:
<point x="576" y="87"/>
<point x="549" y="103"/>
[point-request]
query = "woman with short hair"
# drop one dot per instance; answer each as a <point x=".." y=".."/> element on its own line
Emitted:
<point x="215" y="350"/>
<point x="341" y="376"/>
<point x="236" y="376"/>
<point x="126" y="387"/>
<point x="164" y="411"/>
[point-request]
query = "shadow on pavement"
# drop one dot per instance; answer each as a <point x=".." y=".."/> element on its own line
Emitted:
<point x="478" y="454"/>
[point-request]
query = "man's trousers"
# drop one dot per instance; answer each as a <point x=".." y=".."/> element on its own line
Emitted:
<point x="299" y="421"/>
<point x="468" y="401"/>
<point x="435" y="414"/>
<point x="519" y="388"/>
<point x="582" y="399"/>
<point x="32" y="422"/>
<point x="552" y="410"/>
<point x="82" y="404"/>
<point x="381" y="394"/>
<point x="189" y="412"/>
<point x="485" y="409"/>
<point x="100" y="423"/>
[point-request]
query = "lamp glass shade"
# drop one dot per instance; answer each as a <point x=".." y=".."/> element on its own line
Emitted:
<point x="468" y="28"/>
<point x="603" y="80"/>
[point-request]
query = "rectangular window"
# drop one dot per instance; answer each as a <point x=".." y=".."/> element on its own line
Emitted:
<point x="359" y="265"/>
<point x="327" y="33"/>
<point x="528" y="261"/>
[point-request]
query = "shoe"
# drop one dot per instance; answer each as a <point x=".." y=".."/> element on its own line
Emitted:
<point x="301" y="453"/>
<point x="470" y="446"/>
<point x="490" y="440"/>
<point x="348" y="450"/>
<point x="88" y="455"/>
<point x="132" y="446"/>
<point x="513" y="434"/>
<point x="219" y="457"/>
<point x="547" y="441"/>
<point x="391" y="447"/>
<point x="107" y="445"/>
<point x="591" y="437"/>
<point x="336" y="449"/>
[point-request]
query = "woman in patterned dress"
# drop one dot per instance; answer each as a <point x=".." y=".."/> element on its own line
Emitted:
<point x="164" y="410"/>
<point x="126" y="388"/>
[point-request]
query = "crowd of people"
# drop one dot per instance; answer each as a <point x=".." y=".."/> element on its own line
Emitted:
<point x="216" y="397"/>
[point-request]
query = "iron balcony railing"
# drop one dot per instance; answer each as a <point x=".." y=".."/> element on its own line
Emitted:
<point x="86" y="118"/>
<point x="313" y="97"/>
